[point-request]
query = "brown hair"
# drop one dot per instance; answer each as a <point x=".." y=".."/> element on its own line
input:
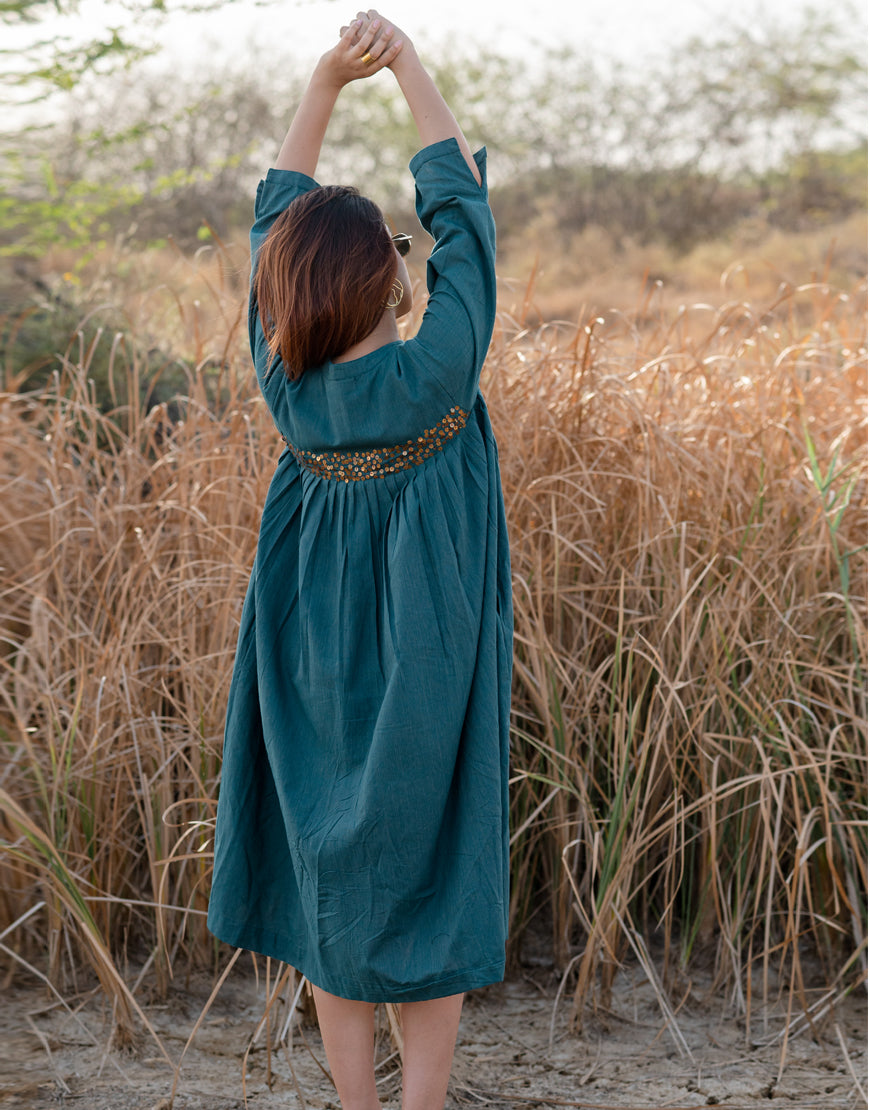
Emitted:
<point x="323" y="276"/>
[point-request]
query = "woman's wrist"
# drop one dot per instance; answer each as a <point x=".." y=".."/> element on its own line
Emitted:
<point x="408" y="61"/>
<point x="324" y="79"/>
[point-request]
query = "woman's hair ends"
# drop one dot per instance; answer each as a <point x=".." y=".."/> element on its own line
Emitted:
<point x="323" y="275"/>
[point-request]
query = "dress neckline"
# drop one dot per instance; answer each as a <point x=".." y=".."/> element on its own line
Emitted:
<point x="360" y="365"/>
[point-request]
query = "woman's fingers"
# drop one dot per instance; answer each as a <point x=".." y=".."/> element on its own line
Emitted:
<point x="375" y="42"/>
<point x="372" y="16"/>
<point x="367" y="44"/>
<point x="351" y="32"/>
<point x="369" y="36"/>
<point x="388" y="56"/>
<point x="356" y="26"/>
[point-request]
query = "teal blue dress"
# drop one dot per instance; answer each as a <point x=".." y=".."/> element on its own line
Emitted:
<point x="362" y="826"/>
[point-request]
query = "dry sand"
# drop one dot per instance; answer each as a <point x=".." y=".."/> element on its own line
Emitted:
<point x="516" y="1049"/>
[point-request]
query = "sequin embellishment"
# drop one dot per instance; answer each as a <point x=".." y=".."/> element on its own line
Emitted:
<point x="356" y="466"/>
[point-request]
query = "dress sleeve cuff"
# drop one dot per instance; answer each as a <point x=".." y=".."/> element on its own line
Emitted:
<point x="449" y="148"/>
<point x="279" y="188"/>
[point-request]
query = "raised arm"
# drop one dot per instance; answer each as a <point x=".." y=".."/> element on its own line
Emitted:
<point x="451" y="196"/>
<point x="434" y="119"/>
<point x="365" y="47"/>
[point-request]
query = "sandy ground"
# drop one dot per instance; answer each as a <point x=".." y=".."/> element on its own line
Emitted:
<point x="516" y="1049"/>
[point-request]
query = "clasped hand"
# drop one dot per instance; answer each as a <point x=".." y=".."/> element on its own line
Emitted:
<point x="367" y="45"/>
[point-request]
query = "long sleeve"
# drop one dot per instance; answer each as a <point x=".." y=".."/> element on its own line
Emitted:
<point x="456" y="329"/>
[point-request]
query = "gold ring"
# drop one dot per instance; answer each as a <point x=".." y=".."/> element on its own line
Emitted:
<point x="367" y="59"/>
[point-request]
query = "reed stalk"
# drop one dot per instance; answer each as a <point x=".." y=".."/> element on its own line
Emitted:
<point x="687" y="500"/>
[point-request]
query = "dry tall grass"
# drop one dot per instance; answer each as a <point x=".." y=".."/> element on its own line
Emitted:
<point x="688" y="513"/>
<point x="687" y="501"/>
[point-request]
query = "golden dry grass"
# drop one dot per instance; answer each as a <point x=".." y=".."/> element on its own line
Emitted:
<point x="593" y="269"/>
<point x="688" y="514"/>
<point x="686" y="491"/>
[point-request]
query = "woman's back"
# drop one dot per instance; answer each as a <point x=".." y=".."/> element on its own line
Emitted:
<point x="377" y="637"/>
<point x="362" y="828"/>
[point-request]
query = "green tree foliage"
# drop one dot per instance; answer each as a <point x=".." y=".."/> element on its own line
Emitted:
<point x="171" y="158"/>
<point x="46" y="62"/>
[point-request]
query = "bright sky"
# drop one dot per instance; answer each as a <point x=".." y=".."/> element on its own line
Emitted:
<point x="289" y="35"/>
<point x="302" y="29"/>
<point x="624" y="27"/>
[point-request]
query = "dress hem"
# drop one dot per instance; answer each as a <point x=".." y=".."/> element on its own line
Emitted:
<point x="457" y="982"/>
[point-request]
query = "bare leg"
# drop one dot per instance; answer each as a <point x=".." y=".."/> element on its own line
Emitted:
<point x="348" y="1032"/>
<point x="429" y="1030"/>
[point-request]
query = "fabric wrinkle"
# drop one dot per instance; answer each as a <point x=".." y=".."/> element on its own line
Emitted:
<point x="362" y="803"/>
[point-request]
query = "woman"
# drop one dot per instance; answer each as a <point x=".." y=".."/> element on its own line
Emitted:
<point x="362" y="830"/>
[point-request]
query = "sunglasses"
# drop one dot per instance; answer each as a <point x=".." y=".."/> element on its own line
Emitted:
<point x="402" y="243"/>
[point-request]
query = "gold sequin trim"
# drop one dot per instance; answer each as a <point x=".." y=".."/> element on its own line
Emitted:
<point x="356" y="466"/>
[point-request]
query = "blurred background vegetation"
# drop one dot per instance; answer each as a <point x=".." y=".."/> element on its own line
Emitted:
<point x="678" y="383"/>
<point x="602" y="174"/>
